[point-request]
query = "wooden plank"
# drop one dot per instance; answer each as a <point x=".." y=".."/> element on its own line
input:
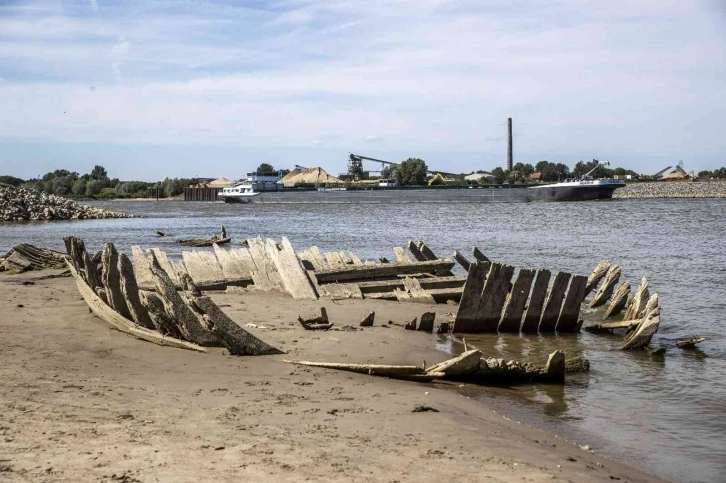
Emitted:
<point x="553" y="304"/>
<point x="478" y="255"/>
<point x="165" y="264"/>
<point x="461" y="260"/>
<point x="471" y="297"/>
<point x="427" y="252"/>
<point x="338" y="291"/>
<point x="203" y="267"/>
<point x="570" y="313"/>
<point x="597" y="274"/>
<point x="536" y="302"/>
<point x="636" y="306"/>
<point x="356" y="261"/>
<point x="346" y="260"/>
<point x="401" y="255"/>
<point x="383" y="270"/>
<point x="414" y="293"/>
<point x="493" y="297"/>
<point x="413" y="248"/>
<point x="243" y="257"/>
<point x="141" y="269"/>
<point x="294" y="278"/>
<point x="179" y="269"/>
<point x="111" y="280"/>
<point x="265" y="278"/>
<point x="517" y="300"/>
<point x="618" y="301"/>
<point x="334" y="260"/>
<point x="232" y="267"/>
<point x="426" y="284"/>
<point x="318" y="259"/>
<point x="130" y="291"/>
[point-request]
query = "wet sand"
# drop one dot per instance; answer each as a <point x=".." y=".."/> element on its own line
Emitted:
<point x="82" y="402"/>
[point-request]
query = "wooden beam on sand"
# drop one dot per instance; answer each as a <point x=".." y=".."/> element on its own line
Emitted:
<point x="427" y="322"/>
<point x="426" y="284"/>
<point x="493" y="297"/>
<point x="413" y="292"/>
<point x="232" y="267"/>
<point x="536" y="301"/>
<point x="340" y="291"/>
<point x="141" y="269"/>
<point x="470" y="297"/>
<point x="165" y="264"/>
<point x="130" y="291"/>
<point x="401" y="255"/>
<point x="294" y="278"/>
<point x="383" y="270"/>
<point x="553" y="303"/>
<point x="516" y="301"/>
<point x="570" y="312"/>
<point x="111" y="279"/>
<point x="266" y="277"/>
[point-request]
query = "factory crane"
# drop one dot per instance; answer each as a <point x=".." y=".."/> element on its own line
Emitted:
<point x="355" y="166"/>
<point x="660" y="173"/>
<point x="597" y="165"/>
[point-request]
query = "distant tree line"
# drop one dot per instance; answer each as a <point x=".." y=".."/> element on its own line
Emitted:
<point x="97" y="184"/>
<point x="719" y="173"/>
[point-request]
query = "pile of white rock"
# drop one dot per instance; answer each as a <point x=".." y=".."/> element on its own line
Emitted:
<point x="27" y="204"/>
<point x="672" y="189"/>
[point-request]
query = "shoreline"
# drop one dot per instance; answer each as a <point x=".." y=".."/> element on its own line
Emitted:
<point x="83" y="401"/>
<point x="672" y="189"/>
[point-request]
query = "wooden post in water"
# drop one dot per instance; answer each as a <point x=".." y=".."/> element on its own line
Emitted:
<point x="536" y="302"/>
<point x="553" y="304"/>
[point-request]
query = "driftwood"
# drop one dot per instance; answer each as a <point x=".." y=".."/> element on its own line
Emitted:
<point x="353" y="272"/>
<point x="371" y="369"/>
<point x="689" y="342"/>
<point x="464" y="364"/>
<point x="640" y="337"/>
<point x="368" y="320"/>
<point x="606" y="289"/>
<point x="620" y="324"/>
<point x="618" y="301"/>
<point x="196" y="242"/>
<point x="597" y="274"/>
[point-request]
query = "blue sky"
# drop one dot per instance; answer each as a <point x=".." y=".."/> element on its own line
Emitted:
<point x="198" y="88"/>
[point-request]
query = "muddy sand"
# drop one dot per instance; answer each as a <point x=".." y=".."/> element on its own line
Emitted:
<point x="82" y="402"/>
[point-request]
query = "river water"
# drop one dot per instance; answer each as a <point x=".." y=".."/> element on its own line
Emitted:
<point x="665" y="414"/>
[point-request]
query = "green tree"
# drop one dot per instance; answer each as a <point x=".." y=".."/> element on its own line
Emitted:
<point x="411" y="172"/>
<point x="11" y="180"/>
<point x="79" y="187"/>
<point x="93" y="187"/>
<point x="389" y="171"/>
<point x="499" y="175"/>
<point x="99" y="173"/>
<point x="265" y="168"/>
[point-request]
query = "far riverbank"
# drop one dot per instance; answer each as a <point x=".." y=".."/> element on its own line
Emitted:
<point x="672" y="189"/>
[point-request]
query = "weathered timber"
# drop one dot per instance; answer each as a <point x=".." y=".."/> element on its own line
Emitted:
<point x="414" y="293"/>
<point x="430" y="255"/>
<point x="355" y="259"/>
<point x="165" y="264"/>
<point x="461" y="260"/>
<point x="516" y="301"/>
<point x="536" y="301"/>
<point x="597" y="274"/>
<point x="620" y="298"/>
<point x="478" y="255"/>
<point x="577" y="364"/>
<point x="238" y="341"/>
<point x="371" y="369"/>
<point x="157" y="313"/>
<point x="619" y="324"/>
<point x="570" y="312"/>
<point x="345" y="258"/>
<point x="89" y="268"/>
<point x="232" y="267"/>
<point x="463" y="365"/>
<point x="189" y="325"/>
<point x="266" y="277"/>
<point x="203" y="267"/>
<point x="161" y="233"/>
<point x="553" y="304"/>
<point x="426" y="284"/>
<point x="339" y="291"/>
<point x="411" y="325"/>
<point x="111" y="280"/>
<point x="689" y="342"/>
<point x="636" y="305"/>
<point x="444" y="328"/>
<point x="144" y="279"/>
<point x="413" y="248"/>
<point x="446" y="295"/>
<point x="493" y="297"/>
<point x="640" y="337"/>
<point x="30" y="257"/>
<point x="401" y="255"/>
<point x="606" y="289"/>
<point x="294" y="278"/>
<point x="383" y="260"/>
<point x="318" y="259"/>
<point x="316" y="323"/>
<point x="195" y="242"/>
<point x="652" y="304"/>
<point x="383" y="270"/>
<point x="244" y="259"/>
<point x="333" y="259"/>
<point x="15" y="261"/>
<point x="500" y="371"/>
<point x="471" y="296"/>
<point x="130" y="292"/>
<point x="368" y="320"/>
<point x="113" y="318"/>
<point x="427" y="322"/>
<point x="101" y="292"/>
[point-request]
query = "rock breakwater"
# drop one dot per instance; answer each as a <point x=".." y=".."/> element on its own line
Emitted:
<point x="669" y="189"/>
<point x="25" y="204"/>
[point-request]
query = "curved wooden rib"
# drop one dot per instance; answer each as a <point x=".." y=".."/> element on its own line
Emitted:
<point x="108" y="315"/>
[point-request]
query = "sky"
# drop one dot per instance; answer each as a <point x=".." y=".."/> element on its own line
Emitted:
<point x="187" y="88"/>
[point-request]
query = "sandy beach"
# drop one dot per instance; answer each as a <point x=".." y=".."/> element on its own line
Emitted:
<point x="82" y="402"/>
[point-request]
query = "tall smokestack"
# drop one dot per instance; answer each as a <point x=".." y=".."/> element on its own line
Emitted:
<point x="509" y="146"/>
